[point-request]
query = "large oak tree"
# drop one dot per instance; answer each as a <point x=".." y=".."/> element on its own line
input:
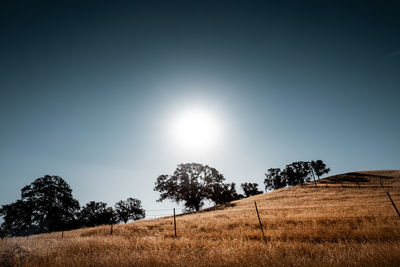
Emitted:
<point x="192" y="184"/>
<point x="46" y="205"/>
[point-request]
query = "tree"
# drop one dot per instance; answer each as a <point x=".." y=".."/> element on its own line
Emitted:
<point x="190" y="183"/>
<point x="54" y="207"/>
<point x="222" y="193"/>
<point x="96" y="213"/>
<point x="250" y="189"/>
<point x="274" y="179"/>
<point x="46" y="205"/>
<point x="18" y="219"/>
<point x="130" y="209"/>
<point x="2" y="233"/>
<point x="297" y="173"/>
<point x="319" y="168"/>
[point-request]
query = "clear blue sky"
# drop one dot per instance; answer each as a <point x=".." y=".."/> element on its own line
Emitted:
<point x="88" y="89"/>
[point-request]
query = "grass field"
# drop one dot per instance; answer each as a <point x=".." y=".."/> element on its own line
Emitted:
<point x="353" y="224"/>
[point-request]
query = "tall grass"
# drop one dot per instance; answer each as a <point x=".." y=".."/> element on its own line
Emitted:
<point x="324" y="226"/>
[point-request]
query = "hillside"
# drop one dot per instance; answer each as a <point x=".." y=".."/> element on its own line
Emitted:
<point x="347" y="220"/>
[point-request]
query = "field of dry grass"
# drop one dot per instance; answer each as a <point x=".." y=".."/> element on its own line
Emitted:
<point x="347" y="220"/>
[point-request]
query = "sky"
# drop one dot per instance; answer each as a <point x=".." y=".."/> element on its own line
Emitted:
<point x="89" y="90"/>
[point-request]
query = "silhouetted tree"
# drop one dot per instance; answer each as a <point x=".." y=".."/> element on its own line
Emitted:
<point x="319" y="168"/>
<point x="2" y="233"/>
<point x="250" y="189"/>
<point x="222" y="193"/>
<point x="96" y="213"/>
<point x="274" y="179"/>
<point x="297" y="173"/>
<point x="46" y="205"/>
<point x="18" y="219"/>
<point x="191" y="183"/>
<point x="130" y="209"/>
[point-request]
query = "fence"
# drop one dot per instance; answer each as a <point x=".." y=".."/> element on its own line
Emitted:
<point x="395" y="220"/>
<point x="264" y="221"/>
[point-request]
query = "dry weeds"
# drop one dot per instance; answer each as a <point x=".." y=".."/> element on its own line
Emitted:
<point x="353" y="225"/>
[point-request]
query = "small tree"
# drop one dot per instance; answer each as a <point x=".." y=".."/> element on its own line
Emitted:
<point x="297" y="173"/>
<point x="223" y="193"/>
<point x="319" y="168"/>
<point x="190" y="183"/>
<point x="274" y="179"/>
<point x="250" y="189"/>
<point x="96" y="213"/>
<point x="18" y="219"/>
<point x="130" y="209"/>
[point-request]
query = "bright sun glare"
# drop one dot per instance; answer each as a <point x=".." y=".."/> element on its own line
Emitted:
<point x="195" y="130"/>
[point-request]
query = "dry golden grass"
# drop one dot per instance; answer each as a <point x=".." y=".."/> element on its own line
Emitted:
<point x="353" y="225"/>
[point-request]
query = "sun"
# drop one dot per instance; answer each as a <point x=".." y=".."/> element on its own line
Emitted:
<point x="195" y="130"/>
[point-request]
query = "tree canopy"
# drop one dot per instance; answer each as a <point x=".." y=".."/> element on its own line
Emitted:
<point x="96" y="213"/>
<point x="17" y="218"/>
<point x="274" y="179"/>
<point x="46" y="205"/>
<point x="295" y="173"/>
<point x="223" y="192"/>
<point x="250" y="189"/>
<point x="192" y="184"/>
<point x="130" y="209"/>
<point x="53" y="204"/>
<point x="319" y="168"/>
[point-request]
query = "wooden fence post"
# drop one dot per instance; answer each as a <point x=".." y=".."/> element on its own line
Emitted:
<point x="62" y="235"/>
<point x="394" y="206"/>
<point x="259" y="220"/>
<point x="380" y="181"/>
<point x="174" y="223"/>
<point x="111" y="230"/>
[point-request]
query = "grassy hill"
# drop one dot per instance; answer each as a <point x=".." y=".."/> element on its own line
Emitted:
<point x="347" y="220"/>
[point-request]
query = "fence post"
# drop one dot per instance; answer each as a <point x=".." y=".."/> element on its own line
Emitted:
<point x="380" y="181"/>
<point x="111" y="230"/>
<point x="174" y="223"/>
<point x="259" y="220"/>
<point x="394" y="206"/>
<point x="62" y="235"/>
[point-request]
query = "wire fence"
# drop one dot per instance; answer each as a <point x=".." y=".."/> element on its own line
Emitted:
<point x="300" y="223"/>
<point x="305" y="224"/>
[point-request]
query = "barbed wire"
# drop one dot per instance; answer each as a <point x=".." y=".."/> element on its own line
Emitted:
<point x="325" y="217"/>
<point x="310" y="229"/>
<point x="235" y="209"/>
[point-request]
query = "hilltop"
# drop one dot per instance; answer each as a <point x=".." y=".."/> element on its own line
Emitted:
<point x="347" y="219"/>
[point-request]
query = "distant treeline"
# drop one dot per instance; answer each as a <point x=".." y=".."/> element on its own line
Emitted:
<point x="47" y="204"/>
<point x="295" y="173"/>
<point x="193" y="183"/>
